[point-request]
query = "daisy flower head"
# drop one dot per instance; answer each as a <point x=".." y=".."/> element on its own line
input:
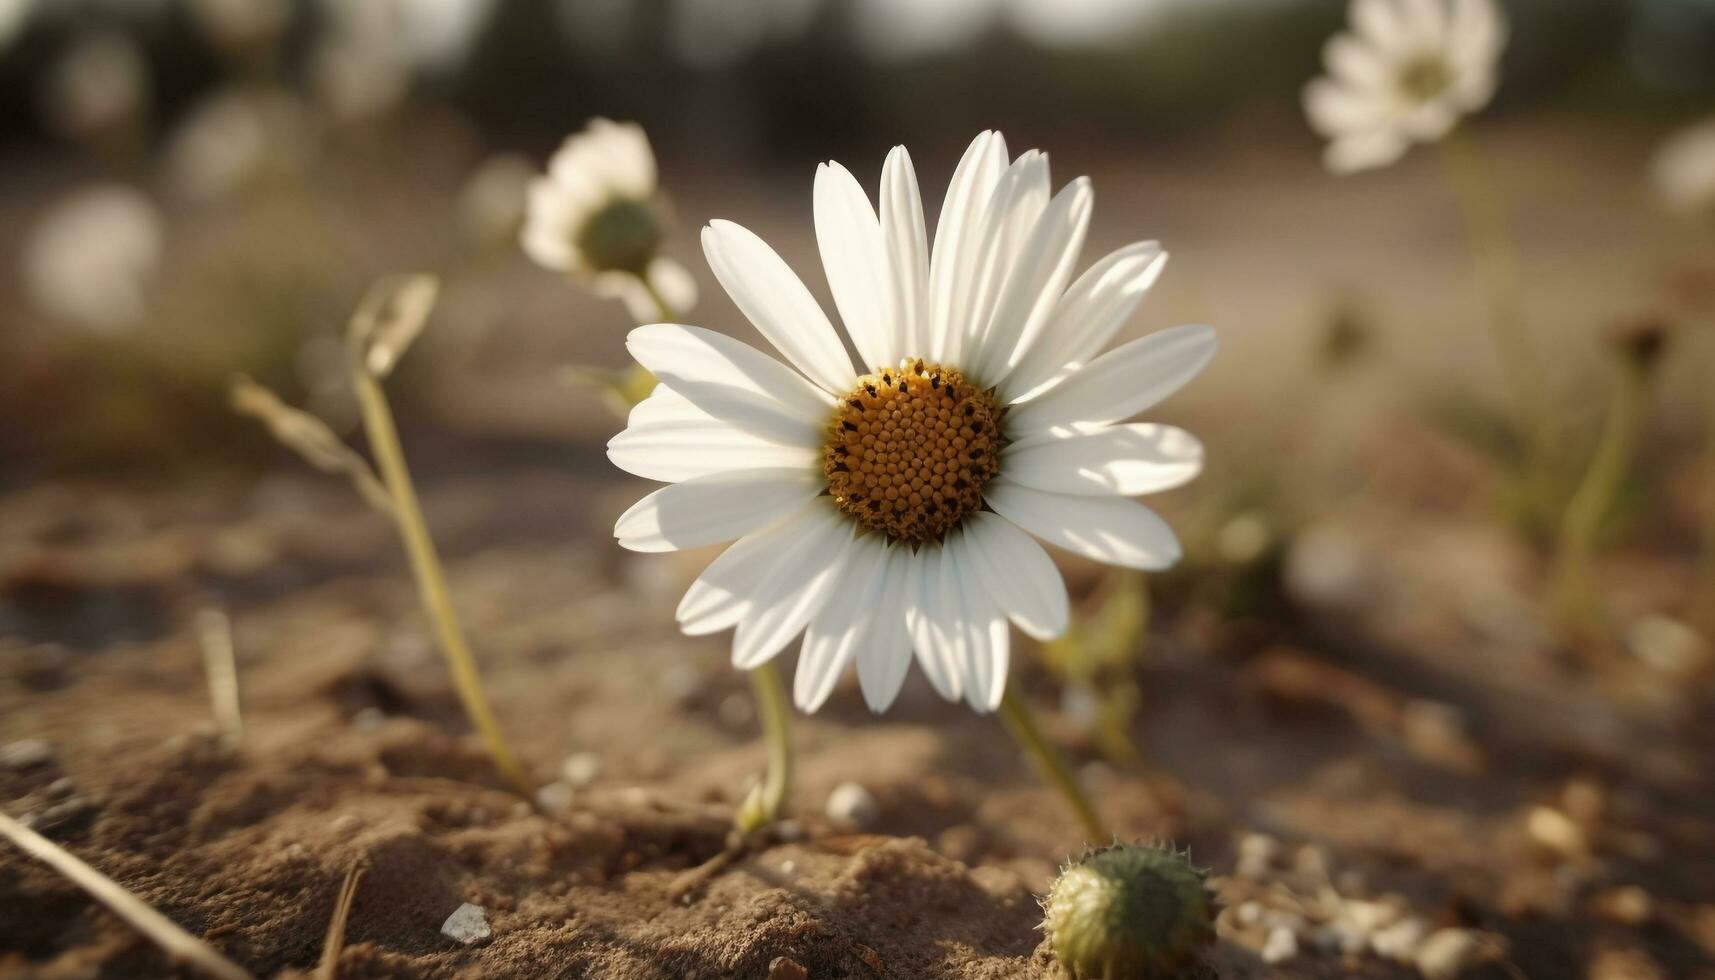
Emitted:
<point x="1407" y="71"/>
<point x="598" y="214"/>
<point x="893" y="505"/>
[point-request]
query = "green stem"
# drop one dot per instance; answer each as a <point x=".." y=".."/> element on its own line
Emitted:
<point x="1021" y="725"/>
<point x="1496" y="259"/>
<point x="1574" y="595"/>
<point x="768" y="801"/>
<point x="668" y="314"/>
<point x="431" y="581"/>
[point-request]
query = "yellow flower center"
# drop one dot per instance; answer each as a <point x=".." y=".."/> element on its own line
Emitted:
<point x="1424" y="78"/>
<point x="910" y="449"/>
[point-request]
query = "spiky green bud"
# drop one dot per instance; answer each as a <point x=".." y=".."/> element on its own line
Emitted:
<point x="1129" y="912"/>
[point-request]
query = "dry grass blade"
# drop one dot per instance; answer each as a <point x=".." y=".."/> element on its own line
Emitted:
<point x="389" y="319"/>
<point x="310" y="438"/>
<point x="214" y="635"/>
<point x="178" y="944"/>
<point x="334" y="945"/>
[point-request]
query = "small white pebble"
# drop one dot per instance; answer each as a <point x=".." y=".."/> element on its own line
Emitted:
<point x="554" y="797"/>
<point x="1556" y="832"/>
<point x="788" y="866"/>
<point x="850" y="803"/>
<point x="345" y="824"/>
<point x="1367" y="917"/>
<point x="680" y="683"/>
<point x="1257" y="854"/>
<point x="1400" y="940"/>
<point x="1446" y="953"/>
<point x="1282" y="945"/>
<point x="580" y="769"/>
<point x="1248" y="913"/>
<point x="1667" y="644"/>
<point x="468" y="924"/>
<point x="26" y="753"/>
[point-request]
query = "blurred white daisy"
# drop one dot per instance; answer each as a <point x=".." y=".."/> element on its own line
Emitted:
<point x="100" y="84"/>
<point x="890" y="506"/>
<point x="1684" y="170"/>
<point x="232" y="139"/>
<point x="597" y="214"/>
<point x="14" y="18"/>
<point x="94" y="258"/>
<point x="1407" y="72"/>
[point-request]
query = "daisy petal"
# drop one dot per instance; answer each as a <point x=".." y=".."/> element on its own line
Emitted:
<point x="1120" y="383"/>
<point x="849" y="236"/>
<point x="957" y="235"/>
<point x="885" y="655"/>
<point x="1087" y="317"/>
<point x="1356" y="64"/>
<point x="1383" y="24"/>
<point x="1036" y="282"/>
<point x="908" y="253"/>
<point x="789" y="598"/>
<point x="727" y="589"/>
<point x="714" y="508"/>
<point x="929" y="614"/>
<point x="683" y="450"/>
<point x="1017" y="204"/>
<point x="1113" y="530"/>
<point x="837" y="632"/>
<point x="986" y="644"/>
<point x="1019" y="574"/>
<point x="1336" y="110"/>
<point x="1124" y="460"/>
<point x="1366" y="151"/>
<point x="773" y="298"/>
<point x="733" y="382"/>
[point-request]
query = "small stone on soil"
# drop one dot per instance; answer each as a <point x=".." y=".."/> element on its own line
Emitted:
<point x="786" y="968"/>
<point x="26" y="753"/>
<point x="1446" y="953"/>
<point x="1281" y="946"/>
<point x="850" y="803"/>
<point x="468" y="924"/>
<point x="580" y="769"/>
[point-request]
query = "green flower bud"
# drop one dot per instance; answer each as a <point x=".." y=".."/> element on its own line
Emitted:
<point x="1129" y="912"/>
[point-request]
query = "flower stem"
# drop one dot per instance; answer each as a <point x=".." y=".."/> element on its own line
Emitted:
<point x="1574" y="594"/>
<point x="1021" y="725"/>
<point x="431" y="581"/>
<point x="768" y="800"/>
<point x="668" y="314"/>
<point x="1496" y="259"/>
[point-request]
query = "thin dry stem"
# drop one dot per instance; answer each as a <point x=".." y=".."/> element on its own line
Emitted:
<point x="214" y="635"/>
<point x="334" y="945"/>
<point x="310" y="438"/>
<point x="178" y="944"/>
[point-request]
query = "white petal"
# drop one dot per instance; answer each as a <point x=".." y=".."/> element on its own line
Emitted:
<point x="1365" y="151"/>
<point x="733" y="382"/>
<point x="1337" y="110"/>
<point x="986" y="646"/>
<point x="1382" y="23"/>
<point x="1120" y="383"/>
<point x="1356" y="64"/>
<point x="1036" y="282"/>
<point x="1426" y="20"/>
<point x="1107" y="529"/>
<point x="664" y="406"/>
<point x="1087" y="317"/>
<point x="714" y="508"/>
<point x="1127" y="460"/>
<point x="885" y="654"/>
<point x="727" y="590"/>
<point x="1019" y="574"/>
<point x="773" y="298"/>
<point x="908" y="253"/>
<point x="787" y="600"/>
<point x="1476" y="35"/>
<point x="628" y="289"/>
<point x="957" y="237"/>
<point x="1018" y="202"/>
<point x="838" y="631"/>
<point x="686" y="449"/>
<point x="859" y="275"/>
<point x="932" y="618"/>
<point x="675" y="284"/>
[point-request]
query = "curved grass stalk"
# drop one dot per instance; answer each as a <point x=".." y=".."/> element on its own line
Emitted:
<point x="1021" y="725"/>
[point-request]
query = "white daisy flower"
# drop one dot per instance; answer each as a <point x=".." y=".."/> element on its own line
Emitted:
<point x="94" y="259"/>
<point x="597" y="214"/>
<point x="890" y="507"/>
<point x="1684" y="170"/>
<point x="1407" y="72"/>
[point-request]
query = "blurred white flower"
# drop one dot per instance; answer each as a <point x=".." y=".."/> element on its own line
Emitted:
<point x="238" y="25"/>
<point x="94" y="258"/>
<point x="596" y="214"/>
<point x="438" y="35"/>
<point x="1684" y="170"/>
<point x="14" y="17"/>
<point x="1407" y="72"/>
<point x="491" y="206"/>
<point x="364" y="64"/>
<point x="233" y="138"/>
<point x="101" y="83"/>
<point x="891" y="505"/>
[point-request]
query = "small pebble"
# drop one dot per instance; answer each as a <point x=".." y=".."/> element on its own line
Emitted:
<point x="1629" y="905"/>
<point x="1257" y="855"/>
<point x="786" y="968"/>
<point x="1556" y="833"/>
<point x="1400" y="940"/>
<point x="1248" y="913"/>
<point x="346" y="824"/>
<point x="681" y="683"/>
<point x="468" y="924"/>
<point x="26" y="753"/>
<point x="1282" y="945"/>
<point x="1667" y="644"/>
<point x="368" y="719"/>
<point x="60" y="788"/>
<point x="1446" y="953"/>
<point x="850" y="803"/>
<point x="580" y="769"/>
<point x="554" y="797"/>
<point x="736" y="711"/>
